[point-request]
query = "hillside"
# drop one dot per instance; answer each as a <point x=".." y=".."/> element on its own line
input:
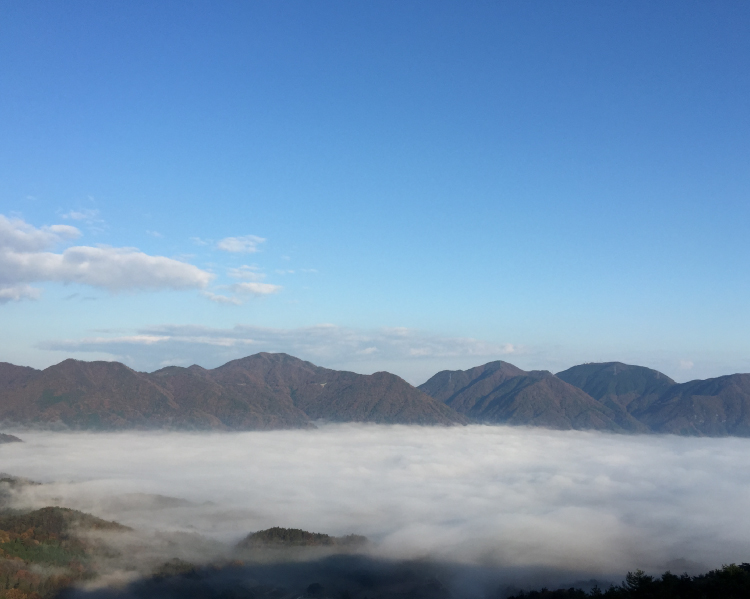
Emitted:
<point x="632" y="387"/>
<point x="714" y="407"/>
<point x="47" y="550"/>
<point x="500" y="393"/>
<point x="273" y="391"/>
<point x="264" y="391"/>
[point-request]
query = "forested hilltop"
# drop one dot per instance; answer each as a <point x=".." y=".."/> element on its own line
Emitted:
<point x="273" y="391"/>
<point x="728" y="582"/>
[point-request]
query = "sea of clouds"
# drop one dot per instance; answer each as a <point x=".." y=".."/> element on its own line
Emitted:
<point x="586" y="503"/>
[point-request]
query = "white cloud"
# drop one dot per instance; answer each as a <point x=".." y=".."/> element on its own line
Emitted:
<point x="22" y="261"/>
<point x="199" y="241"/>
<point x="17" y="235"/>
<point x="16" y="293"/>
<point x="247" y="244"/>
<point x="408" y="352"/>
<point x="686" y="364"/>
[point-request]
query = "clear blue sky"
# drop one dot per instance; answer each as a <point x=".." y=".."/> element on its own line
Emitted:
<point x="439" y="183"/>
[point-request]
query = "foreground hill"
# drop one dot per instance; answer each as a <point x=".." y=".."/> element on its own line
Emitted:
<point x="264" y="391"/>
<point x="500" y="393"/>
<point x="47" y="550"/>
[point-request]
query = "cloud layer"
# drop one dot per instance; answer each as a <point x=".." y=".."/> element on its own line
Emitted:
<point x="590" y="503"/>
<point x="326" y="345"/>
<point x="24" y="260"/>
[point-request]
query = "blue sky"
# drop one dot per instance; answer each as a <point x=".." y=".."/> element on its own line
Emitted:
<point x="376" y="185"/>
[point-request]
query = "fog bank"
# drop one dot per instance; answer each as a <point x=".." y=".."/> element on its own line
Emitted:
<point x="509" y="497"/>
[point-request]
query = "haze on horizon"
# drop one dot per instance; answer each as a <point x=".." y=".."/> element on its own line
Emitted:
<point x="381" y="186"/>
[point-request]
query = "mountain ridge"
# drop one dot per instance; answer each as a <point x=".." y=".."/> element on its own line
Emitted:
<point x="259" y="392"/>
<point x="267" y="391"/>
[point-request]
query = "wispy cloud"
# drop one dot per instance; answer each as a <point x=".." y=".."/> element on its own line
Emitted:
<point x="250" y="273"/>
<point x="247" y="244"/>
<point x="16" y="293"/>
<point x="17" y="235"/>
<point x="255" y="288"/>
<point x="325" y="344"/>
<point x="88" y="216"/>
<point x="222" y="299"/>
<point x="23" y="260"/>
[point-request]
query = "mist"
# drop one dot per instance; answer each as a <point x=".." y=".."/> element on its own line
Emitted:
<point x="509" y="498"/>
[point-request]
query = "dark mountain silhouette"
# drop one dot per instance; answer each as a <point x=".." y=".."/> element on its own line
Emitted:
<point x="86" y="395"/>
<point x="264" y="391"/>
<point x="605" y="396"/>
<point x="5" y="438"/>
<point x="272" y="391"/>
<point x="499" y="392"/>
<point x="714" y="407"/>
<point x="632" y="387"/>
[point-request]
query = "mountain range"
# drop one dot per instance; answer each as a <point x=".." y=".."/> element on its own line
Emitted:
<point x="271" y="391"/>
<point x="263" y="391"/>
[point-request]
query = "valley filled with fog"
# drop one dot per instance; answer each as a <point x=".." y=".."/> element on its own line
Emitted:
<point x="584" y="503"/>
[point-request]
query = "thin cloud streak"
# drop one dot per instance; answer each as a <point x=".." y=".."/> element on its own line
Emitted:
<point x="326" y="345"/>
<point x="247" y="244"/>
<point x="583" y="502"/>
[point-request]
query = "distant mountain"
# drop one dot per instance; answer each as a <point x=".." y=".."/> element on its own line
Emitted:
<point x="86" y="395"/>
<point x="271" y="391"/>
<point x="5" y="438"/>
<point x="623" y="388"/>
<point x="264" y="391"/>
<point x="632" y="387"/>
<point x="499" y="392"/>
<point x="714" y="407"/>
